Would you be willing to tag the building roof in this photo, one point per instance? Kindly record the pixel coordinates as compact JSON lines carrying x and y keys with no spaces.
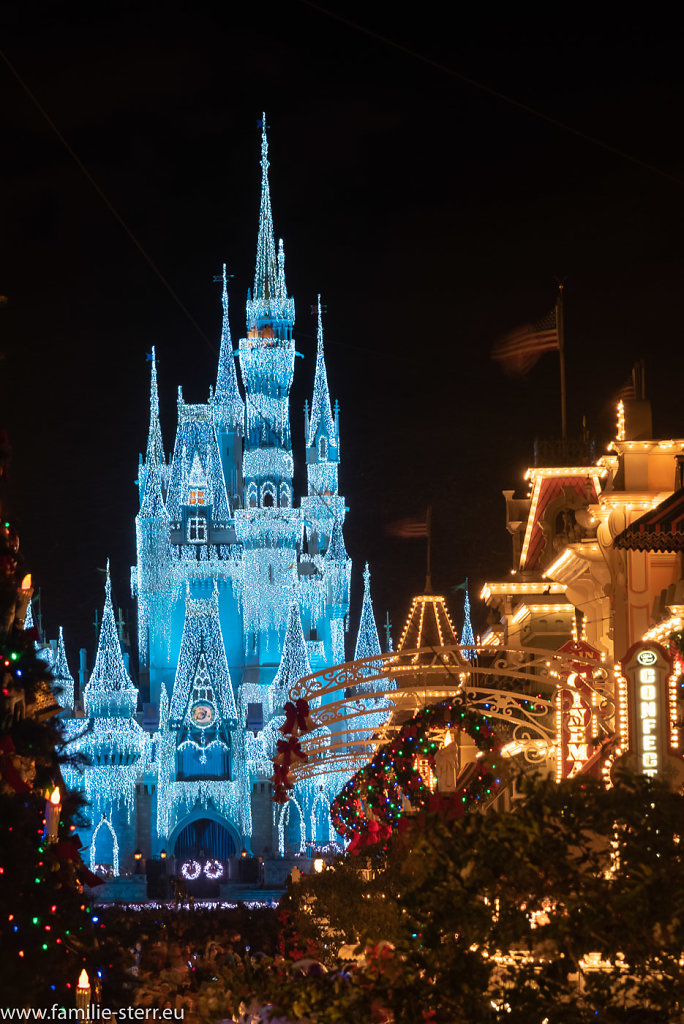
{"x":428,"y":624}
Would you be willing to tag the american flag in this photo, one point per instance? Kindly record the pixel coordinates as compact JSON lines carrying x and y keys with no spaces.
{"x":409,"y":528}
{"x":519,"y":350}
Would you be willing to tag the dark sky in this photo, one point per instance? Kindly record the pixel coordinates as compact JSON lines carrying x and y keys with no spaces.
{"x":433,"y":215}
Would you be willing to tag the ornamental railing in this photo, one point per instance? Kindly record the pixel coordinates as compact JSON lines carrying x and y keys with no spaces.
{"x":516,"y":687}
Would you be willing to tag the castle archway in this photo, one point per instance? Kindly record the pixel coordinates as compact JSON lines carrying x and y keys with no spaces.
{"x":203,"y":844}
{"x":206,"y":836}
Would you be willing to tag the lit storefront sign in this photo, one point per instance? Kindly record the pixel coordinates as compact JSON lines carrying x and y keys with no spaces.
{"x":575,"y":731}
{"x":575,"y":710}
{"x":647,"y":670}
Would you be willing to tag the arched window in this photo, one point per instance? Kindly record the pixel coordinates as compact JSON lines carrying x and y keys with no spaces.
{"x":323,"y":448}
{"x":268,"y":495}
{"x":252,"y":496}
{"x":285,"y":496}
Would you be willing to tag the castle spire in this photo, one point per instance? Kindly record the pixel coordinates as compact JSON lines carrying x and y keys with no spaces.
{"x":269,"y":307}
{"x":266,"y":272}
{"x":321,"y":415}
{"x":63,"y":678}
{"x":228,"y":399}
{"x":467,"y":636}
{"x":110,"y":692}
{"x":155,"y":447}
{"x":367,"y":640}
{"x":294,"y":662}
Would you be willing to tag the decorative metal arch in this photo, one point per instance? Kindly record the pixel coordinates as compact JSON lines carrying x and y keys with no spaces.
{"x":502,"y":684}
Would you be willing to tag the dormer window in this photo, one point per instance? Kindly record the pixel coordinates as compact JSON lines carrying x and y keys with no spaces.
{"x":196,"y":497}
{"x":197,"y":529}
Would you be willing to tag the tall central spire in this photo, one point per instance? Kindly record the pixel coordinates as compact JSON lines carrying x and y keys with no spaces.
{"x":266,"y":272}
{"x":269,"y":306}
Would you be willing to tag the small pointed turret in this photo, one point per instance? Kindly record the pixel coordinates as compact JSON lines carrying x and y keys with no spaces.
{"x":367,"y":640}
{"x":294,"y":662}
{"x":63,"y":679}
{"x":110,"y":692}
{"x":321,"y":416}
{"x":228,"y":404}
{"x":336,"y":550}
{"x":376,"y":709}
{"x":467,"y":635}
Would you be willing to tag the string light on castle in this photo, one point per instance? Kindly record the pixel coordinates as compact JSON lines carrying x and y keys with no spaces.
{"x":241,"y":585}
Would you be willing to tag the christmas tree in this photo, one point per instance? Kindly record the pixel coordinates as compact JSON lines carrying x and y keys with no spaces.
{"x":47,"y":935}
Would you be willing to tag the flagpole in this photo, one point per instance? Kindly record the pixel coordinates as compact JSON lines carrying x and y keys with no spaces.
{"x":561,"y":355}
{"x":428,"y":527}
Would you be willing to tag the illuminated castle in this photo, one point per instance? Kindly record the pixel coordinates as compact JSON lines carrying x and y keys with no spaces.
{"x":240,"y":592}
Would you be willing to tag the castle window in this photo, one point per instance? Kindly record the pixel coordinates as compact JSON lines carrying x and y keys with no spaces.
{"x":197,"y":529}
{"x":268,"y":495}
{"x":196,"y":497}
{"x":268,"y":500}
{"x":285,"y":496}
{"x":252,"y":496}
{"x":323,"y":448}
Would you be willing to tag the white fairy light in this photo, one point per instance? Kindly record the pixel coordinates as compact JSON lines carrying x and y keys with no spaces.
{"x":233,"y":569}
{"x":115,"y":845}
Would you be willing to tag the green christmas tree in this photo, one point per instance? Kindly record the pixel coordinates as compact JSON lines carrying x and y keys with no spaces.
{"x":46,"y":932}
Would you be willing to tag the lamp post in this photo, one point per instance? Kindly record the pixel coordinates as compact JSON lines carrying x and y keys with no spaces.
{"x":137,"y":856}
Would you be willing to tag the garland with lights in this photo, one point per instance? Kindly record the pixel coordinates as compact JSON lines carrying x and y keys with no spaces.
{"x":376,"y":800}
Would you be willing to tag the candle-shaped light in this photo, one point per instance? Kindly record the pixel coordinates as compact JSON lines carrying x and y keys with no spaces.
{"x":53,"y":809}
{"x":24,"y":595}
{"x":83,"y":996}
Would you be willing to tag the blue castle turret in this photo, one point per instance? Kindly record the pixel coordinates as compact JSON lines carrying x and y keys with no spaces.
{"x":242,"y":588}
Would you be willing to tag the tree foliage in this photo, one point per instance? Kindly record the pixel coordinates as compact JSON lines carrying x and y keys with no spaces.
{"x":567,"y":908}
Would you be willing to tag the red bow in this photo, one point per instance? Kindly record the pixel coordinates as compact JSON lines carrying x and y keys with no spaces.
{"x":289,"y":752}
{"x":281,"y":776}
{"x":297,"y":717}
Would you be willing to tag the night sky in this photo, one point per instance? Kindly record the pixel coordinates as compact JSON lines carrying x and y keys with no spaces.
{"x":433,"y":214}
